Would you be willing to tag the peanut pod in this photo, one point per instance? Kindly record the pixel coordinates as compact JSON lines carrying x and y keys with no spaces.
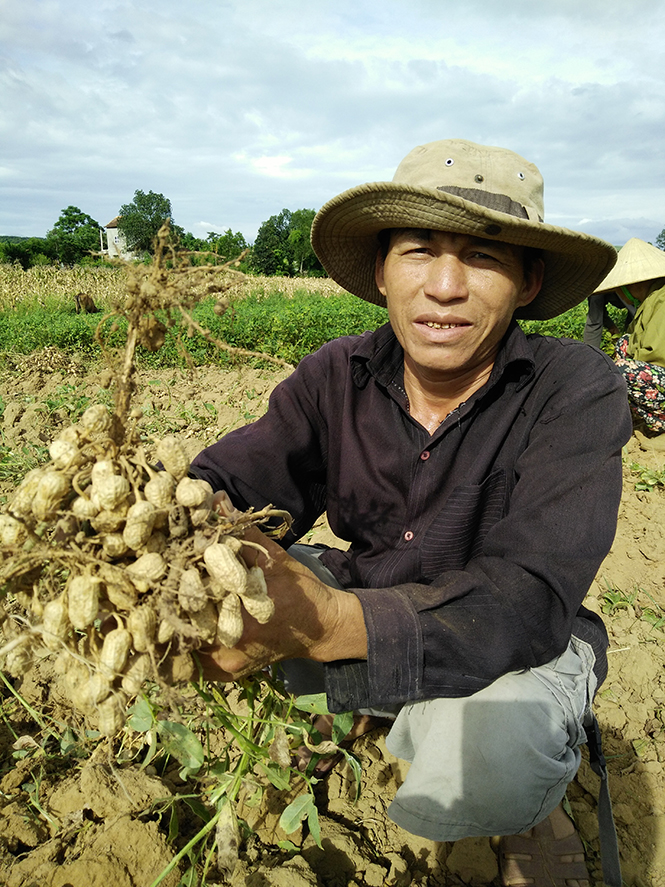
{"x":115,"y":651}
{"x":83,"y":600}
{"x":171,"y":454}
{"x":225,"y":568}
{"x":55,"y":623}
{"x":142,"y":624}
{"x":229,"y":620}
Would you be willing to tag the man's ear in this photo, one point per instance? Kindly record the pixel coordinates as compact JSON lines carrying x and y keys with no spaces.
{"x":378,"y":272}
{"x":533,"y":282}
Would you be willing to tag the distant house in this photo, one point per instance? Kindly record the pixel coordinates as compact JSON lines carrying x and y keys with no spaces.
{"x":116,"y":244}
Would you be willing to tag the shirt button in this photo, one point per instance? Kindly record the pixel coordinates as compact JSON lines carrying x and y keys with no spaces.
{"x":408,"y":535}
{"x":424,"y":455}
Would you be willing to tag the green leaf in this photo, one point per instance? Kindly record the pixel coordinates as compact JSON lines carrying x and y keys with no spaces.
{"x":181,"y":743}
{"x":314,"y":825}
{"x":277,"y":777}
{"x":356,"y":769}
{"x":174,"y":825}
{"x":141,"y":717}
{"x":197,"y":808}
{"x":190,"y":878}
{"x":315,"y":703}
{"x":68,"y":741}
{"x":294,"y":814}
{"x":342,"y":723}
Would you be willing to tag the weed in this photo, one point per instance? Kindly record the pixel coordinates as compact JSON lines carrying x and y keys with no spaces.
{"x":648,"y":478}
{"x":67,"y":401}
{"x":15,"y":464}
{"x":614,"y":600}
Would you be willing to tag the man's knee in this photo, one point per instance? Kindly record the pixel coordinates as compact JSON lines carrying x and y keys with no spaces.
{"x":497,"y":762}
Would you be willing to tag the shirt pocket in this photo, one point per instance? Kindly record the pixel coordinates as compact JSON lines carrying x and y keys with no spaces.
{"x":457,"y":533}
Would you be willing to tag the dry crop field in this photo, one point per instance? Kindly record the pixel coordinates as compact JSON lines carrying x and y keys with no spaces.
{"x":47,"y":284}
{"x":81,"y":808}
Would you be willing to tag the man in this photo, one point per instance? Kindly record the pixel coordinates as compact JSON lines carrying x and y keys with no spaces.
{"x":476,"y":474}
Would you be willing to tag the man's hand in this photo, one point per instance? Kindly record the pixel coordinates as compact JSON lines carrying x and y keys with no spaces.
{"x":311,"y":620}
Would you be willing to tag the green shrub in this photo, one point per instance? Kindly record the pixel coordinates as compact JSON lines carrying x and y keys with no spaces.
{"x":288,"y":328}
{"x":569,"y":325}
{"x":27,"y":330}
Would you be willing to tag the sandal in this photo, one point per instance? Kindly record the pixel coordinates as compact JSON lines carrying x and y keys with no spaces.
{"x":539,"y":859}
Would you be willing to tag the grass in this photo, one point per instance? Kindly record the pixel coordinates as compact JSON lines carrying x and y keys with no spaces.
{"x":15,"y":464}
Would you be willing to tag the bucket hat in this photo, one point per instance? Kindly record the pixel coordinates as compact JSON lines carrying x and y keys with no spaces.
{"x":458,"y":186}
{"x":637,"y":261}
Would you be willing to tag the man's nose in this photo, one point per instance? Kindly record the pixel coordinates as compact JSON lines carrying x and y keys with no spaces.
{"x":446,"y":279}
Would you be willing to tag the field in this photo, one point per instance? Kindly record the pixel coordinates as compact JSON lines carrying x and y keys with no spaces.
{"x":78,"y":810}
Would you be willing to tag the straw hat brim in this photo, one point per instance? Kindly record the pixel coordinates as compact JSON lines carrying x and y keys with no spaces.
{"x":344,"y":237}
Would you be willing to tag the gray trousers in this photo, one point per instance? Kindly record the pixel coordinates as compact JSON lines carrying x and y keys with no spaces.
{"x":496,"y":762}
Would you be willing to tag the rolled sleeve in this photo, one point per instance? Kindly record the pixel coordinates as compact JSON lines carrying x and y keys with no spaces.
{"x":393,"y":671}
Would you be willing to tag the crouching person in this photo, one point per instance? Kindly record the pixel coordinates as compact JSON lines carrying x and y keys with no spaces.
{"x":476,"y":474}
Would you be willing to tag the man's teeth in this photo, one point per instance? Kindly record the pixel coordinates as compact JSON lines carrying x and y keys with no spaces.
{"x":441,"y":326}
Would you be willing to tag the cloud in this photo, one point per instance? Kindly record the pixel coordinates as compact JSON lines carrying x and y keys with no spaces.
{"x":235,"y":110}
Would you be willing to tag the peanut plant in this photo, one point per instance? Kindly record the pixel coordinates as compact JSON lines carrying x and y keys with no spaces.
{"x":115,"y":563}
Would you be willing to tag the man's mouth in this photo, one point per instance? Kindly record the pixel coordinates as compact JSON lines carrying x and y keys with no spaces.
{"x":442,"y":326}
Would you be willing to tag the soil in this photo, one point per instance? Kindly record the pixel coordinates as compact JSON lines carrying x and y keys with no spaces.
{"x":69,"y":821}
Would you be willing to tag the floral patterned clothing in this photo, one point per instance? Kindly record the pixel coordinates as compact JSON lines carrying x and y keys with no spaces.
{"x":646,"y":386}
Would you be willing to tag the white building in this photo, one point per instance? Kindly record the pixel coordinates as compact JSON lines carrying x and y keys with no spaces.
{"x":115,"y":240}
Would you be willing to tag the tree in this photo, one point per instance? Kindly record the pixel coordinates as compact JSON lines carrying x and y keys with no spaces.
{"x":27,"y":251}
{"x":140,"y":220}
{"x":271,"y":253}
{"x":660,"y":240}
{"x":282,"y":245}
{"x":304,"y":257}
{"x":228,"y":245}
{"x":74,"y":236}
{"x":188,"y":241}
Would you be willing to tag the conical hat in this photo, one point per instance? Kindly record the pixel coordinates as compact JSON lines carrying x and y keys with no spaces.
{"x":638,"y":261}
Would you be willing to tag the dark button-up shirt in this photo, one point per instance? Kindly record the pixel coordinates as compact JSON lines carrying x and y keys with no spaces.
{"x":471,"y":549}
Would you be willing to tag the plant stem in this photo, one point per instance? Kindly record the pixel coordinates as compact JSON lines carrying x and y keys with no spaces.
{"x":123,"y":392}
{"x":208,"y":827}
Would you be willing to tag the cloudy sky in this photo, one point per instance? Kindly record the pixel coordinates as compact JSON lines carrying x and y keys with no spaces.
{"x":235,"y":109}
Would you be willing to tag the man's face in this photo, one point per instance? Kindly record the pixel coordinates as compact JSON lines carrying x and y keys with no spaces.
{"x":451,"y":298}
